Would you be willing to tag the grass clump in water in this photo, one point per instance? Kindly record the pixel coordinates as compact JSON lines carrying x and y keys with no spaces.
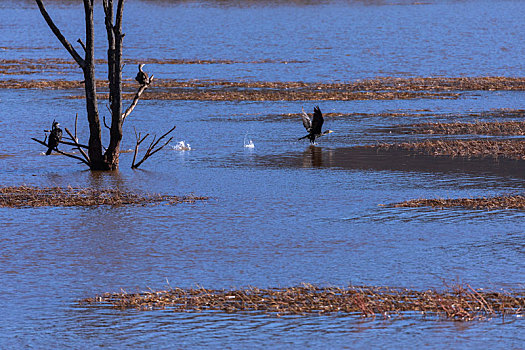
{"x":510,"y":128}
{"x":490,"y":203}
{"x":28,"y":196}
{"x":461,"y":302}
{"x":507,"y":149}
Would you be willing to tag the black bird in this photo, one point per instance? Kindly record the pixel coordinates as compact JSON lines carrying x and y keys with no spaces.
{"x":142,"y":77}
{"x":314,"y":126}
{"x":54,"y":138}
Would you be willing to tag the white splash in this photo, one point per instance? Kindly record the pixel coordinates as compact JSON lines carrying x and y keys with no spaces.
{"x":182,"y":146}
{"x":248,"y":143}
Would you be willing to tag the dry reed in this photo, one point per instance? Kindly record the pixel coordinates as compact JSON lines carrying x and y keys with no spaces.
{"x":28,"y":196}
{"x":235,"y":91}
{"x":511,"y":128}
{"x":388,"y":88}
{"x":488,"y":203}
{"x":505,"y":149}
{"x":462,"y":302}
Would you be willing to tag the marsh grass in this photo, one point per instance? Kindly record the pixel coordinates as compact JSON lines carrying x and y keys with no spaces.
{"x":505,"y":128}
{"x":488,"y":203}
{"x":234,"y":91}
{"x":506,"y":149}
{"x":28,"y":196}
{"x":460,"y":302}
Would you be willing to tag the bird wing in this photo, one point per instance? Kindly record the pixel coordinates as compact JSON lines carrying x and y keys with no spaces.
{"x":317,"y":121}
{"x":306,"y":120}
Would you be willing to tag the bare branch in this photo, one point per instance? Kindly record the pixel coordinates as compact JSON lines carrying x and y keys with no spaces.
{"x":161,"y":147}
{"x":73,"y":144}
{"x":78,"y":146}
{"x":59,"y":35}
{"x":81,"y":44}
{"x":151,"y":149}
{"x":76,"y":120}
{"x":60,"y":152}
{"x":106,"y":7}
{"x":139,"y":141}
{"x":136,"y":99}
{"x":120,"y":11}
{"x":104,"y":120}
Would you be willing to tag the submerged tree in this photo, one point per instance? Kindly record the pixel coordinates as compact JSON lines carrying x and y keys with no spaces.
{"x":96,"y":158}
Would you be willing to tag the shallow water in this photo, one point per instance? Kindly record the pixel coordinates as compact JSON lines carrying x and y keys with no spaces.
{"x":280,"y":213}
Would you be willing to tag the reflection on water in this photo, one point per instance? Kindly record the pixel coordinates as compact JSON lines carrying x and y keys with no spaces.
{"x":280,"y":213}
{"x":313,"y":156}
{"x":366,"y":158}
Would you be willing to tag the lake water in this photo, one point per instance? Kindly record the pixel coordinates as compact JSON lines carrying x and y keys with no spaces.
{"x":281,"y":213}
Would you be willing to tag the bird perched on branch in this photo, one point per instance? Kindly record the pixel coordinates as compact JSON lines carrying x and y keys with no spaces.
{"x":142,"y":77}
{"x":314,"y":125}
{"x":54,"y":137}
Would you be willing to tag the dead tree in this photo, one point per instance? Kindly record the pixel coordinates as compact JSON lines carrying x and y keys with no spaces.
{"x":96,"y":158}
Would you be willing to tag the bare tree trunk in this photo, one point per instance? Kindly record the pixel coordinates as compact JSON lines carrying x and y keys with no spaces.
{"x":95,"y":138}
{"x":115,"y":36}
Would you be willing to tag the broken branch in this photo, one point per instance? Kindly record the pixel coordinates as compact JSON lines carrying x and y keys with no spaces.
{"x":81,"y":44}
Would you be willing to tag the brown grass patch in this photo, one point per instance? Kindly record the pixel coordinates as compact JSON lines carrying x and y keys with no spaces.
{"x":285,"y":95}
{"x":459,"y":303}
{"x":27,"y":196}
{"x":387,"y":88}
{"x":507,"y":149}
{"x":514,"y":128}
{"x":490,"y":203}
{"x":373,"y":89}
{"x":233,"y":91}
{"x":30,"y":66}
{"x":26,"y":66}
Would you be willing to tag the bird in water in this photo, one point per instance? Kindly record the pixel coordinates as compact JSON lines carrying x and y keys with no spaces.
{"x":142,"y":77}
{"x":54,"y":138}
{"x":314,"y":125}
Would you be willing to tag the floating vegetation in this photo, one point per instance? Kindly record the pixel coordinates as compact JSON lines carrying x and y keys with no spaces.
{"x":285,"y":94}
{"x":511,"y":128}
{"x":27,"y":196}
{"x":490,"y":203}
{"x":37,"y":66}
{"x":459,"y":303}
{"x":236,"y":91}
{"x":373,"y":89}
{"x":506,"y":149}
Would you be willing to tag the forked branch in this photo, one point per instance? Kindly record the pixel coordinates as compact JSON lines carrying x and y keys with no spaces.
{"x":78,"y":146}
{"x":74,"y":143}
{"x":139,"y":93}
{"x":63,"y":153}
{"x":151,"y":149}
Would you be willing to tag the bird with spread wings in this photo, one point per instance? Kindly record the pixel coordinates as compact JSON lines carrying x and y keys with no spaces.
{"x":313,"y":125}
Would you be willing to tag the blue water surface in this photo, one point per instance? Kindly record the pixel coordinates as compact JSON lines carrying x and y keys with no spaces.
{"x":279,"y":214}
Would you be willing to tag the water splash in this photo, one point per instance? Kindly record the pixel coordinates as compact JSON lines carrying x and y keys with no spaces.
{"x":182,"y":146}
{"x":248,"y":143}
